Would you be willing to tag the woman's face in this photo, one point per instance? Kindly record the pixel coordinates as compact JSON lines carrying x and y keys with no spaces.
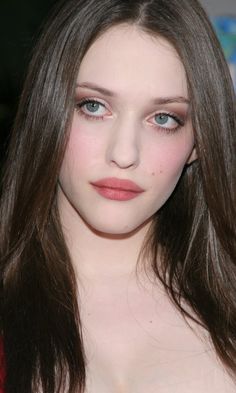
{"x":131,"y":134}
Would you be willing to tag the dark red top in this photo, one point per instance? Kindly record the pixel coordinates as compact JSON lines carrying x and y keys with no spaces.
{"x":2,"y":367}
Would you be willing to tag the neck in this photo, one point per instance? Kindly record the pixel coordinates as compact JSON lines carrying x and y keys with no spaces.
{"x":98,"y":255}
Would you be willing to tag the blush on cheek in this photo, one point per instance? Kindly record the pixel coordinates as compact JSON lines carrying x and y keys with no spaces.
{"x":83,"y":146}
{"x":176,"y":157}
{"x":165,"y":155}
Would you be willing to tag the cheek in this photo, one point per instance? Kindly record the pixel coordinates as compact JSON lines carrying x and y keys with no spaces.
{"x":83,"y":150}
{"x":168,"y":159}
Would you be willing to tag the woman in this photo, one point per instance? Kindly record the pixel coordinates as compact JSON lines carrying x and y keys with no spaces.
{"x":118,"y":197}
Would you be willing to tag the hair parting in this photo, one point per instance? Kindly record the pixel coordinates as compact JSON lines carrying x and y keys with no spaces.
{"x":193,"y":234}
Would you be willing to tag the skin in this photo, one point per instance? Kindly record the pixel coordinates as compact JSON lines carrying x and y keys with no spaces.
{"x":135,"y":340}
{"x":123,"y":140}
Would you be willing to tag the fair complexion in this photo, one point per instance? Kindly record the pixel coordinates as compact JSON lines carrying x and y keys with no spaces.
{"x":131,"y":121}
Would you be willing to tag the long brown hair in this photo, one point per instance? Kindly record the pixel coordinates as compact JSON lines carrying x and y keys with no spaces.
{"x":194,"y":230}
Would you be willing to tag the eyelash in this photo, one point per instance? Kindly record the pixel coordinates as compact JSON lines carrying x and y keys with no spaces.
{"x":180,"y":122}
{"x":85,"y":101}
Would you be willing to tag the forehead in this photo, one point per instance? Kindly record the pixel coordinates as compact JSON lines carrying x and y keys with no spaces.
{"x":125,"y":58}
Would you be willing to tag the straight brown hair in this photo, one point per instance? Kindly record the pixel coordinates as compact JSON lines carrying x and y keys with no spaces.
{"x":194,"y":231}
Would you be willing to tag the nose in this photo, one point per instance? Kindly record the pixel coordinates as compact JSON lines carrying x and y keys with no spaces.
{"x":123,"y":148}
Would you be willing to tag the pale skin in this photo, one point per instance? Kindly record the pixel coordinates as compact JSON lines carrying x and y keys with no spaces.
{"x":137,"y":127}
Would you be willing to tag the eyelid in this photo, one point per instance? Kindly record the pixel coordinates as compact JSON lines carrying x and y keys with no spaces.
{"x":176,"y":117}
{"x":179,"y":120}
{"x":86,"y":100}
{"x":82,"y":100}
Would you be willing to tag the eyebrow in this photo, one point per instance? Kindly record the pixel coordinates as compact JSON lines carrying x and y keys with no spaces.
{"x":109,"y":93}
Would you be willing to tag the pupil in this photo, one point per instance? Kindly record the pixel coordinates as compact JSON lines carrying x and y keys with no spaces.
{"x":161,"y":119}
{"x":92,"y":106}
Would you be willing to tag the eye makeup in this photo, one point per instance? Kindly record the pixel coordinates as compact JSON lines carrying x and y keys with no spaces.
{"x":162,"y":121}
{"x":167,"y":122}
{"x":91,"y":109}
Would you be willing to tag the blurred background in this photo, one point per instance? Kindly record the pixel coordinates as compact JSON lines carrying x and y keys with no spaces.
{"x":219,"y":7}
{"x":20,"y":23}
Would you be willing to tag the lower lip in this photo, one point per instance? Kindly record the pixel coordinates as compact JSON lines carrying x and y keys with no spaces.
{"x":116,"y":194}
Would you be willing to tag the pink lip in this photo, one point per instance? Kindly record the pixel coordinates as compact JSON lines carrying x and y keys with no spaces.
{"x":117,"y":189}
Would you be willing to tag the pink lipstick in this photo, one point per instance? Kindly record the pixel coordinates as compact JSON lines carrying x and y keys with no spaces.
{"x":117,"y":189}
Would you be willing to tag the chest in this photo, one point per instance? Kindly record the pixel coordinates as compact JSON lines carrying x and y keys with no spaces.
{"x":137,"y":342}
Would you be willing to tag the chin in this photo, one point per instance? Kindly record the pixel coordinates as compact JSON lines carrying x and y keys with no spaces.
{"x":114,"y":228}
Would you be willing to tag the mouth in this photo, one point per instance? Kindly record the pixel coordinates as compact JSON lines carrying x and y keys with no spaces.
{"x":117,"y":189}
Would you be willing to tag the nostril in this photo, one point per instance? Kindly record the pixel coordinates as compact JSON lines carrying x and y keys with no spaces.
{"x":124,"y":159}
{"x":123,"y":153}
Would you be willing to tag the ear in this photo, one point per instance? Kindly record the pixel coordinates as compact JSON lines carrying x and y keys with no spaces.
{"x":193,"y":157}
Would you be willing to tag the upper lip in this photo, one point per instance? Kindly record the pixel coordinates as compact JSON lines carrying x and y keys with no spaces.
{"x":118,"y":184}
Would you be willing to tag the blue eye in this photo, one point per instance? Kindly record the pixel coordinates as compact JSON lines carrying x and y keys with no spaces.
{"x":92,"y":108}
{"x":167,"y":121}
{"x":162,"y":119}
